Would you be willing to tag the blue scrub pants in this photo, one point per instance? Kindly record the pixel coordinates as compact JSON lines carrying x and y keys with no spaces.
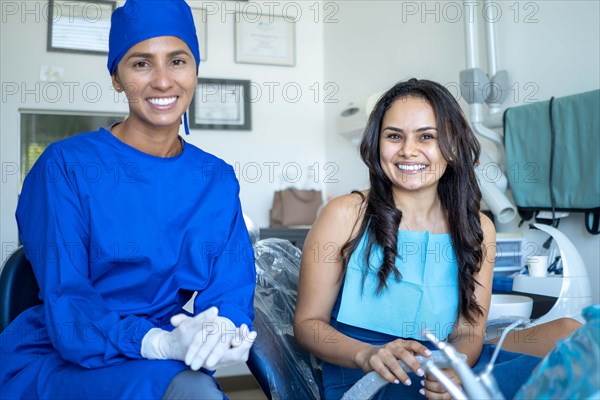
{"x":189,"y":384}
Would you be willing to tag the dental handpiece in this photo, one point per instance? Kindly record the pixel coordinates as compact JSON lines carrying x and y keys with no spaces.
{"x":470,"y":383}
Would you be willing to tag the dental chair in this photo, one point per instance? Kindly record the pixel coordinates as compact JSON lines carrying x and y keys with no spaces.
{"x":285,"y":371}
{"x":18,"y":287}
{"x":282,"y":368}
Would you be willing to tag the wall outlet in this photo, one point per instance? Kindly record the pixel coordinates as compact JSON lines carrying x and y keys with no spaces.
{"x":51,"y":74}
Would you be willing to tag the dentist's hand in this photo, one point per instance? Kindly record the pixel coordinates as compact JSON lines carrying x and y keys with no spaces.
{"x":215,"y":337}
{"x":159,"y":344}
{"x":236,"y":354}
{"x":220,"y":344}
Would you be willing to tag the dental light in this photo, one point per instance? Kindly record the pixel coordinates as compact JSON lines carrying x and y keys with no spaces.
{"x":353,"y":119}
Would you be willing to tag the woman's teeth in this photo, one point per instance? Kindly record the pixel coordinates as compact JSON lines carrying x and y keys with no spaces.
{"x":163,"y":101}
{"x":411,"y":167}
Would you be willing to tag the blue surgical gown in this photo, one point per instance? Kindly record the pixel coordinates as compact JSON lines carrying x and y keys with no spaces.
{"x":119,"y":240}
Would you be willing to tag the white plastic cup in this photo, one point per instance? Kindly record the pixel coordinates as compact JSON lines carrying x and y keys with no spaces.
{"x":537,"y":266}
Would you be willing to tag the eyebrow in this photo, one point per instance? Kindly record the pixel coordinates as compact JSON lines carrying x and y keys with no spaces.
{"x":150,"y":55}
{"x":423,"y":129}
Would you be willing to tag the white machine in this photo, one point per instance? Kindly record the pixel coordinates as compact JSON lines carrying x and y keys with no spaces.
{"x":353,"y":119}
{"x":572,"y":290}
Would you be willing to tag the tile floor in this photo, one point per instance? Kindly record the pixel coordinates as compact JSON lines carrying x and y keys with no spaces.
{"x":251,"y":394}
{"x":241,"y":388}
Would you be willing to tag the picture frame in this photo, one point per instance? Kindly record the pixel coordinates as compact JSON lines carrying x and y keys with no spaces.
{"x":221,"y":104}
{"x":201,"y":22}
{"x":264,"y":39}
{"x":81,"y":26}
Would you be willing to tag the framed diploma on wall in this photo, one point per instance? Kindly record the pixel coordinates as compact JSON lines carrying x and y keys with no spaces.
{"x":200,"y":20}
{"x":264,"y":39}
{"x":221,"y":104}
{"x":79,"y":26}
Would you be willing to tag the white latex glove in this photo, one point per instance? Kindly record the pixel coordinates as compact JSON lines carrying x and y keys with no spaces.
{"x":214,"y":339}
{"x":237,"y":353}
{"x":159,"y":344}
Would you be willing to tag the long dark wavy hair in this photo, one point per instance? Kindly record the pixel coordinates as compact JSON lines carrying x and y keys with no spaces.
{"x":457,"y":189}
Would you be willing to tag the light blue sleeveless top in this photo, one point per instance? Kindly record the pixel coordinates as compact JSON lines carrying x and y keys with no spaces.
{"x":426,"y":296}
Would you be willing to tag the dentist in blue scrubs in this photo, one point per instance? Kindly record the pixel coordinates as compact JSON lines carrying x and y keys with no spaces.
{"x":119,"y":251}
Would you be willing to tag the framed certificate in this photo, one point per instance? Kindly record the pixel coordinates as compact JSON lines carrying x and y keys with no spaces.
{"x":221,"y":104}
{"x":199,"y":15}
{"x":79,"y":26}
{"x":264,"y":39}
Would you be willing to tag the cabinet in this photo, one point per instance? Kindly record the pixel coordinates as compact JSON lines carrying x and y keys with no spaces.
{"x":509,"y":260}
{"x":295,"y":235}
{"x":509,"y":255}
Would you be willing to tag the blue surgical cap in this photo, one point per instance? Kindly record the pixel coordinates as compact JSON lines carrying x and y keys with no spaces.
{"x":139,"y":20}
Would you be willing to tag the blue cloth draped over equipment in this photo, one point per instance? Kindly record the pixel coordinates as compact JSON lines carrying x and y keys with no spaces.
{"x":119,"y":240}
{"x":552,"y":156}
{"x":571,"y":370}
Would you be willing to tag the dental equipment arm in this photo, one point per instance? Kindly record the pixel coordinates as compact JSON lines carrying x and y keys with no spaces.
{"x":468,"y":379}
{"x":430,"y":368}
{"x":483,"y":386}
{"x":505,"y":332}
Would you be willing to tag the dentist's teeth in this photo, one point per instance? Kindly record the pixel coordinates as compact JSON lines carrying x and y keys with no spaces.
{"x":411,"y":167}
{"x":162,"y":101}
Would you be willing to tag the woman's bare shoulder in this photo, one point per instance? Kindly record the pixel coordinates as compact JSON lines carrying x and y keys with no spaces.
{"x":342,"y":215}
{"x":349,"y":206}
{"x":488,"y":228}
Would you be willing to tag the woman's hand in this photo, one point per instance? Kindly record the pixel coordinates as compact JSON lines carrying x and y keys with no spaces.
{"x":384,"y":359}
{"x":433,"y":389}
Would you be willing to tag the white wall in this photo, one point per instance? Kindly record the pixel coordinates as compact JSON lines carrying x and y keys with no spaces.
{"x":287,"y":125}
{"x":550,"y":48}
{"x":373,"y":45}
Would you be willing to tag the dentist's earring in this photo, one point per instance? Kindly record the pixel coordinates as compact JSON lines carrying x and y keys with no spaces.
{"x":116,"y":84}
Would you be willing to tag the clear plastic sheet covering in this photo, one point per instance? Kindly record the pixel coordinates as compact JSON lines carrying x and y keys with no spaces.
{"x":572,"y":369}
{"x":293,"y":372}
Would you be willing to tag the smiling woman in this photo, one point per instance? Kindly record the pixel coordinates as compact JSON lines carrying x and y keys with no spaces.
{"x":117,"y":256}
{"x":410,"y":154}
{"x":414,"y":252}
{"x":158,"y":76}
